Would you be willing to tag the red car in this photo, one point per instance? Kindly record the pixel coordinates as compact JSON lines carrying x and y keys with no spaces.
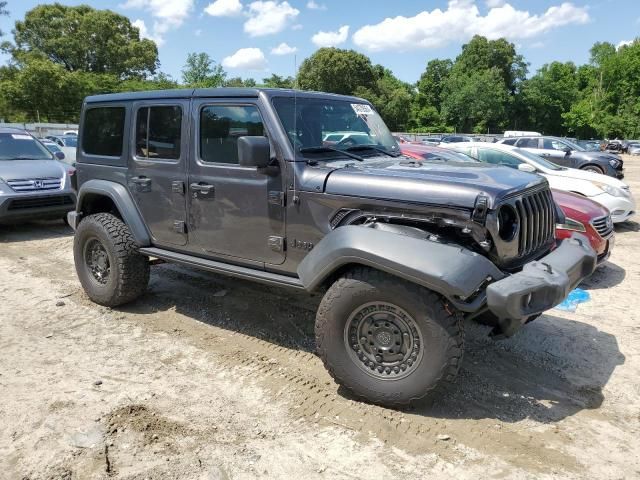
{"x":582,"y":215}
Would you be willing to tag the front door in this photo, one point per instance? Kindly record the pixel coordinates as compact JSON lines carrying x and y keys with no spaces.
{"x":556,"y":152}
{"x":156,"y":176}
{"x":235,"y":213}
{"x":157,"y":168}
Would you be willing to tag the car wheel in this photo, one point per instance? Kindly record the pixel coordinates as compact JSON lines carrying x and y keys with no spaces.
{"x":109,"y":267}
{"x":593,"y":168}
{"x":386,"y":340}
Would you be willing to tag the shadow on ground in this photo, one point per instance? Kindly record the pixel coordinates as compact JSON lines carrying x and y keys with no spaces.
{"x":606,"y":275}
{"x":40,"y":230}
{"x":551,"y":369}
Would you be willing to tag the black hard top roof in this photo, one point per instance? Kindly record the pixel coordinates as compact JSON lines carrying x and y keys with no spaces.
{"x":223,"y":92}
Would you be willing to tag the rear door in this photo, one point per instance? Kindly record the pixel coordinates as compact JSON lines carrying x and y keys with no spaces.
{"x":157,"y":167}
{"x":235,"y":212}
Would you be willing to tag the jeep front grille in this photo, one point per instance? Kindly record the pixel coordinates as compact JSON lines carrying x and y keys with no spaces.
{"x":603,"y":225}
{"x":536,"y":215}
{"x":35,"y":184}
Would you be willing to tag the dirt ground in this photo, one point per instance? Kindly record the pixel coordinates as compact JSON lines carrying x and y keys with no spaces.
{"x":211,"y":378}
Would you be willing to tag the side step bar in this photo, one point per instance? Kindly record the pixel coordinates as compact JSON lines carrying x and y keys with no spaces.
{"x":268,"y":278}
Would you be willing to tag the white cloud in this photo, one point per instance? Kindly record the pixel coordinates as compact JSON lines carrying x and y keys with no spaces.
{"x":311,"y":5}
{"x":331,"y":39}
{"x":144,"y":31}
{"x":623,"y":43}
{"x":224,"y":8}
{"x":197,"y":33}
{"x":266,"y":18}
{"x":283,"y":49}
{"x":246,"y":59}
{"x":297,"y":26}
{"x":167,"y":15}
{"x":495,"y":3}
{"x":460,"y":21}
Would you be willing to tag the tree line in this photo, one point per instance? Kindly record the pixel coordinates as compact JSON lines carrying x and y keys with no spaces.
{"x":61,"y":54}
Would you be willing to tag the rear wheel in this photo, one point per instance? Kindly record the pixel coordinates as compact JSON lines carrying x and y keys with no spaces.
{"x":386,"y":340}
{"x":109,"y":267}
{"x":593,"y":168}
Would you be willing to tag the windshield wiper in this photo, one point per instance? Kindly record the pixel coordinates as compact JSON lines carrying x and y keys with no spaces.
{"x":321,"y":149}
{"x":371,"y":147}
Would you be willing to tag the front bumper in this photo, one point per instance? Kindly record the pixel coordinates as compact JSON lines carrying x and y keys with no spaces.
{"x":621,"y":208}
{"x":38,"y":206}
{"x":540,"y":285}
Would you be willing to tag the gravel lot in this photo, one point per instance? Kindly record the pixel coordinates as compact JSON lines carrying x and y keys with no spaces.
{"x":211,"y":378}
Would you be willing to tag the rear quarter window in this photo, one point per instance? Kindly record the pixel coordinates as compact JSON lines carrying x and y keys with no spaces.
{"x":103,"y":131}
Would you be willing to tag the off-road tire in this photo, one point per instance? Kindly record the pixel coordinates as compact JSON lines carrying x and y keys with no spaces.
{"x":593,"y":168}
{"x":438,"y":323}
{"x":129,"y":271}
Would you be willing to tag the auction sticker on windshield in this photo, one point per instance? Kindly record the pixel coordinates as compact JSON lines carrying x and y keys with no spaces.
{"x":18,"y":136}
{"x":362,"y":109}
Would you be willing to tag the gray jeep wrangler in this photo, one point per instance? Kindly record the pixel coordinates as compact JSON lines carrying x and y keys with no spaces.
{"x":309,"y":191}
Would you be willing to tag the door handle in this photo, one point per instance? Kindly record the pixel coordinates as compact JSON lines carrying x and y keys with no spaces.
{"x":142,"y":181}
{"x":203,"y":188}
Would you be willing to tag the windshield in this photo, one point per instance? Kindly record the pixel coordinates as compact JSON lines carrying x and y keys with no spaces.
{"x":320,"y":126}
{"x":573,"y":146}
{"x":539,"y":160}
{"x":22,"y":146}
{"x":70,"y":141}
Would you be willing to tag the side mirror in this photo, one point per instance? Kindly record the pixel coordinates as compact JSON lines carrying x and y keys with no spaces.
{"x":59,"y":155}
{"x":254,"y":152}
{"x":525,"y":167}
{"x":567,"y":150}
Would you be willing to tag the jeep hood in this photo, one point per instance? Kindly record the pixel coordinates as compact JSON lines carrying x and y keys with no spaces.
{"x":26,"y":169}
{"x":447,"y":183}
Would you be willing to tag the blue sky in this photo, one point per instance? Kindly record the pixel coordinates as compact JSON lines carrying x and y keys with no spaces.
{"x":257,"y":38}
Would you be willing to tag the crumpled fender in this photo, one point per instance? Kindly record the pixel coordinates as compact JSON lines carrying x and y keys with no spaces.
{"x":453,"y":271}
{"x":123,"y":201}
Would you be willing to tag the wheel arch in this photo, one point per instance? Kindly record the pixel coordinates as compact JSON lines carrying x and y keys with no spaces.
{"x":98,"y":196}
{"x":450,"y":270}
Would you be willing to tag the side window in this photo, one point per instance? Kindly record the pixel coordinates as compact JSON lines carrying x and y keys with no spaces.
{"x":158,"y":132}
{"x":220,"y":127}
{"x":528,"y":143}
{"x":496,"y":157}
{"x":103,"y":131}
{"x":510,"y":141}
{"x":550,"y":144}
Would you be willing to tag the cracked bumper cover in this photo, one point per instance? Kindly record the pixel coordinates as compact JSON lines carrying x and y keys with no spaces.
{"x":542,"y":284}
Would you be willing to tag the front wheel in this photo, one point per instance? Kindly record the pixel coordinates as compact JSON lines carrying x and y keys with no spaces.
{"x":109,"y":267}
{"x":388,"y":341}
{"x":593,"y":168}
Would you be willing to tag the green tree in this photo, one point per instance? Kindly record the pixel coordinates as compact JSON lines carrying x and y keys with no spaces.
{"x":3,"y":12}
{"x":276,"y":81}
{"x":337,"y":71}
{"x":432,"y":81}
{"x":549,"y":94}
{"x":475,"y":102}
{"x":85,"y":39}
{"x":200,"y":71}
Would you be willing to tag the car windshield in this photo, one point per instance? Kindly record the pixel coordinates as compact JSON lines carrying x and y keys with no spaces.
{"x":52,"y":147}
{"x":70,"y":141}
{"x":539,"y":160}
{"x":572,"y":145}
{"x":22,"y":146}
{"x":319,"y":127}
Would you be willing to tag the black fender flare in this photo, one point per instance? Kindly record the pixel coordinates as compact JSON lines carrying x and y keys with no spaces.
{"x":124,"y":203}
{"x":450,"y":270}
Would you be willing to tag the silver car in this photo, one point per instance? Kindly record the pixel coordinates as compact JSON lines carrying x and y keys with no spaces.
{"x":34,"y":183}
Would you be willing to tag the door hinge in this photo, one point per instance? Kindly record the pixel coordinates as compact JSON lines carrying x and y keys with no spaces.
{"x":179,"y":226}
{"x":276,"y":243}
{"x":177,"y":187}
{"x":276,"y":198}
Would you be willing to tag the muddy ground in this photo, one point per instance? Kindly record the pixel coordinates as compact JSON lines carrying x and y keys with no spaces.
{"x":207,"y":377}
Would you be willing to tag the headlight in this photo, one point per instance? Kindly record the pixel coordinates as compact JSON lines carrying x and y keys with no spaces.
{"x":614,"y":163}
{"x":507,"y":223}
{"x":571,"y":224}
{"x":615,"y":191}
